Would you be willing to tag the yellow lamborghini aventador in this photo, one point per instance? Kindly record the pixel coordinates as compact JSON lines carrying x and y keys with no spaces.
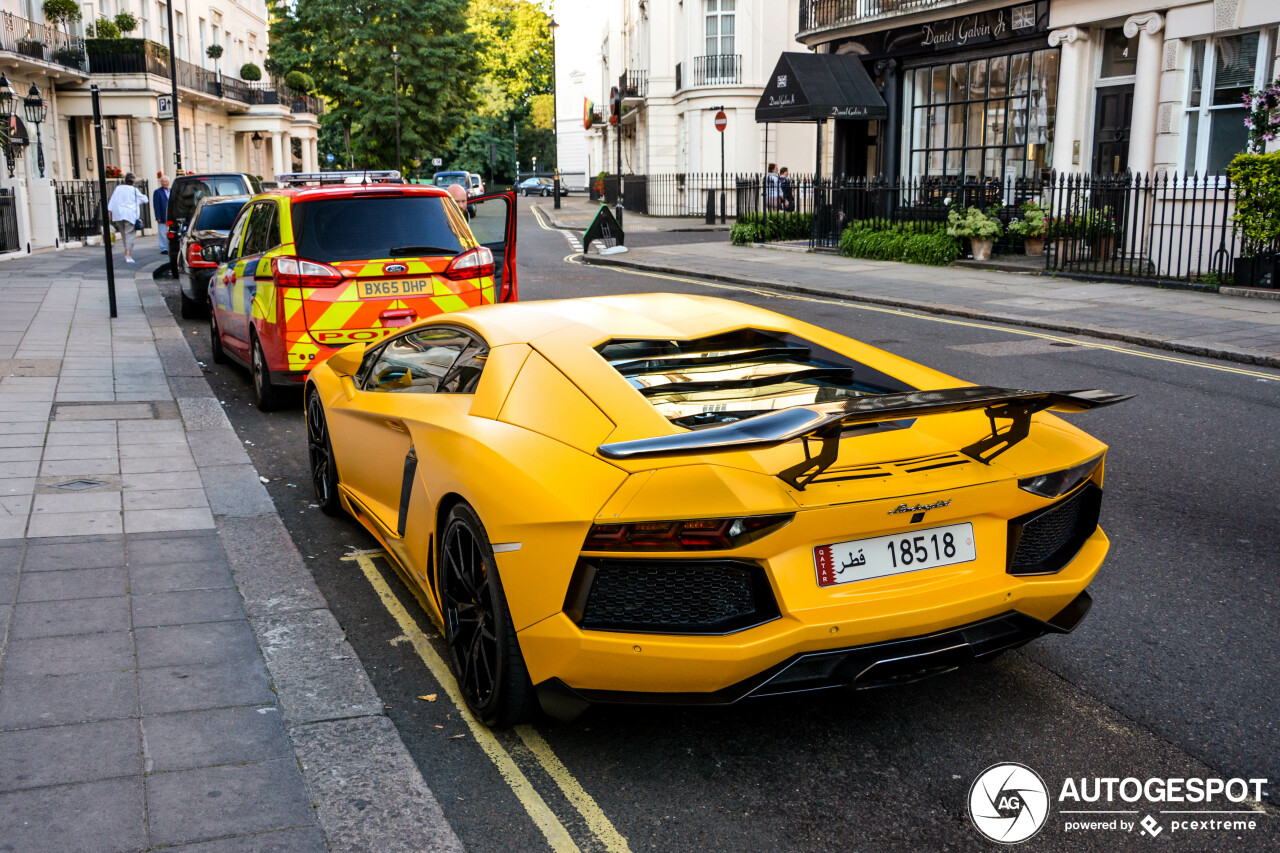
{"x":664,"y":498}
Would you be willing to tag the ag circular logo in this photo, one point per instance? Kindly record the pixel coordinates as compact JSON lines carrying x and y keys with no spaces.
{"x":1008,"y":803}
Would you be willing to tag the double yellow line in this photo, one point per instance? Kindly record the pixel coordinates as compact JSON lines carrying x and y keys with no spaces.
{"x":604,"y":833}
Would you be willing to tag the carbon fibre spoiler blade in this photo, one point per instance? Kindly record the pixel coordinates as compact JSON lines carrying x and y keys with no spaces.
{"x":826,"y":420}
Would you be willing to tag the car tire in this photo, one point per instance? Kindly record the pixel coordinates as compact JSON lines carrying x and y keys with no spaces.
{"x":524,"y":193}
{"x":546,"y":193}
{"x":324,"y":467}
{"x":480,"y":639}
{"x":215,"y":337}
{"x":265,"y":395}
{"x":190,"y":309}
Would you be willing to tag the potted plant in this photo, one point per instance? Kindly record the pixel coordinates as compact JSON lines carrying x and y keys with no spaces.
{"x":250,"y":72}
{"x":981,"y":229}
{"x":1031,"y":227}
{"x":63,"y":13}
{"x":1257,"y":217}
{"x":31,"y":47}
{"x":1065,"y":233}
{"x":1101,"y":228}
{"x":70,"y":56}
{"x":125,"y":23}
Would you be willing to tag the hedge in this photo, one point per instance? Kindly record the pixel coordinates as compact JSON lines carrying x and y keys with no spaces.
{"x":775,"y":227}
{"x":909,"y":242}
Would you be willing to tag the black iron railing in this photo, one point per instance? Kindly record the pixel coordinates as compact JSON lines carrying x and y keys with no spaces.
{"x":40,"y":41}
{"x":683,"y":194}
{"x":634,"y":84}
{"x":822,"y":14}
{"x":127,"y":56}
{"x":1144,"y":227}
{"x":80,"y":207}
{"x":717,"y":70}
{"x":8,"y":222}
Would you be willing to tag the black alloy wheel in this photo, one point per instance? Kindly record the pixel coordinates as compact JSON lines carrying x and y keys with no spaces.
{"x":483,"y":650}
{"x":215,"y":337}
{"x":324,"y":468}
{"x":266,"y":395}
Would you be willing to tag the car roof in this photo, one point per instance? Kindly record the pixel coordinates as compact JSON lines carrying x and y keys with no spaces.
{"x":208,"y":175}
{"x":379,"y":190}
{"x":210,"y":200}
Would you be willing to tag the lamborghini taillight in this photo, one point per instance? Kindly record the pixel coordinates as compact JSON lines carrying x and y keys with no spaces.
{"x":296,"y":272}
{"x":702,"y":534}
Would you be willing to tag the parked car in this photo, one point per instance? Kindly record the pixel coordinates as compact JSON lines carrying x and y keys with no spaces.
{"x":210,"y":224}
{"x":731,"y":502}
{"x":308,"y":270}
{"x":540,"y":186}
{"x":444,"y":179}
{"x":187,"y":190}
{"x":477,"y":185}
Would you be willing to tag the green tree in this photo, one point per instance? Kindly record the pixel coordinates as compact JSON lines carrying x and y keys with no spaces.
{"x":345,"y":46}
{"x":513,"y":42}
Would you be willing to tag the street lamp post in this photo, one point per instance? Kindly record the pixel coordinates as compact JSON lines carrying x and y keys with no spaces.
{"x":395,"y":65}
{"x":35,"y":108}
{"x":555,"y":114}
{"x":7,"y":99}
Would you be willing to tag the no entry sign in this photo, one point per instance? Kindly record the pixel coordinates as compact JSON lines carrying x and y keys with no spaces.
{"x":722,"y":121}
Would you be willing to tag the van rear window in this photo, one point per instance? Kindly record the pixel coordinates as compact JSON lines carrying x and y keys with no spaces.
{"x":369,"y":227}
{"x":218,"y":217}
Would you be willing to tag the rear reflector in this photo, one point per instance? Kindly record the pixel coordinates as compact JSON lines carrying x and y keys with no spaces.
{"x":296,"y":272}
{"x":476,"y":263}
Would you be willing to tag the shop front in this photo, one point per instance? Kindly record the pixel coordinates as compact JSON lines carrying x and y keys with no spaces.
{"x":971,"y":99}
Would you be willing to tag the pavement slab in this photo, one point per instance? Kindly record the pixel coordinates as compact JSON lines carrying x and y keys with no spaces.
{"x":136,"y":541}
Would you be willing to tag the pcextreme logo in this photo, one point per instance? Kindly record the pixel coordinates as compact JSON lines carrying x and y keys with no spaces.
{"x":1009,"y":803}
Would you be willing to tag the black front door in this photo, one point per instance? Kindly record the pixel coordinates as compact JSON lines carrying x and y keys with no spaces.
{"x":1113,"y":113}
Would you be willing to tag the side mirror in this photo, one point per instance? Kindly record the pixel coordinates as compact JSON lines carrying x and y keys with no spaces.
{"x":212,"y":253}
{"x":346,"y":361}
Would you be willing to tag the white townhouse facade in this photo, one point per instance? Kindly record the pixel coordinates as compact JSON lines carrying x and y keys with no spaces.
{"x":675,"y":64}
{"x":227,"y":124}
{"x":991,"y":88}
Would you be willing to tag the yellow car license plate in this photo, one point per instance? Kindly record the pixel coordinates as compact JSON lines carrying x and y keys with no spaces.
{"x":396,"y":288}
{"x":899,"y":553}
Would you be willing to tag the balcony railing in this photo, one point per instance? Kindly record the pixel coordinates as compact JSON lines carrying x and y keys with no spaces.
{"x":135,"y":56}
{"x":634,"y":84}
{"x":717,"y":70}
{"x":39,"y":41}
{"x":824,"y":14}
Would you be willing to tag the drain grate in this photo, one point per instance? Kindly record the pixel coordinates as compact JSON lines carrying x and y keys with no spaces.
{"x":79,"y":485}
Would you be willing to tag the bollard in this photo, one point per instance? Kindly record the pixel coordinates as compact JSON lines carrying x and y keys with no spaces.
{"x":556,"y":190}
{"x":711,"y":207}
{"x":618,"y":214}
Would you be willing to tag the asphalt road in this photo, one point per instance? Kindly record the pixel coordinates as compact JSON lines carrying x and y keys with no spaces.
{"x":1174,"y":672}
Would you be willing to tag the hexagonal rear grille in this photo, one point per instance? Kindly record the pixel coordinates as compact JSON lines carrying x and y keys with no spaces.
{"x":1048,"y":540}
{"x":675,"y":596}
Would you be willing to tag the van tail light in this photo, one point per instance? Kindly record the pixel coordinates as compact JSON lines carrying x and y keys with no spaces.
{"x":296,"y":272}
{"x":703,"y":534}
{"x":194,"y":260}
{"x":476,"y":263}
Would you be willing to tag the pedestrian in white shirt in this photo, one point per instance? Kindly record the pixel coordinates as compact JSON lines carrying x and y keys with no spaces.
{"x":125,"y":208}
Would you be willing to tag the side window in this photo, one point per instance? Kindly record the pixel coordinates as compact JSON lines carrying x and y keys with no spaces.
{"x":253,"y":233}
{"x":489,"y":222}
{"x":439,"y":359}
{"x":272,"y":227}
{"x":237,"y":232}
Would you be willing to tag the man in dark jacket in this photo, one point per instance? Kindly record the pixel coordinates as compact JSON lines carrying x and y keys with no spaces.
{"x":160,"y":204}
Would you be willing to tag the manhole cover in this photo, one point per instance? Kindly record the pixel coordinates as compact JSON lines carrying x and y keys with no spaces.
{"x":79,"y":485}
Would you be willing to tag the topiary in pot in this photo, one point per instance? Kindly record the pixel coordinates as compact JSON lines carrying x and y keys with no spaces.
{"x":125,"y":23}
{"x":250,"y":72}
{"x":300,"y":82}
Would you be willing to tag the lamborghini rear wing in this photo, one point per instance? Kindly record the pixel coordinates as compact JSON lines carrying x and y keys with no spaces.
{"x":825,"y":421}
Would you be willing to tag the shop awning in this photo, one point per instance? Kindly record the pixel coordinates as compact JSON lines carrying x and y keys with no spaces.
{"x":812,"y":86}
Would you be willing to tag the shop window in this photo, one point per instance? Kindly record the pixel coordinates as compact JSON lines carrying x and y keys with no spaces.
{"x":1223,"y":70}
{"x":1119,"y":54}
{"x":986,"y":118}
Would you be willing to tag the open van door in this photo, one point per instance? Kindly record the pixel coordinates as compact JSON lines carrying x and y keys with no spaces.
{"x":493,"y":222}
